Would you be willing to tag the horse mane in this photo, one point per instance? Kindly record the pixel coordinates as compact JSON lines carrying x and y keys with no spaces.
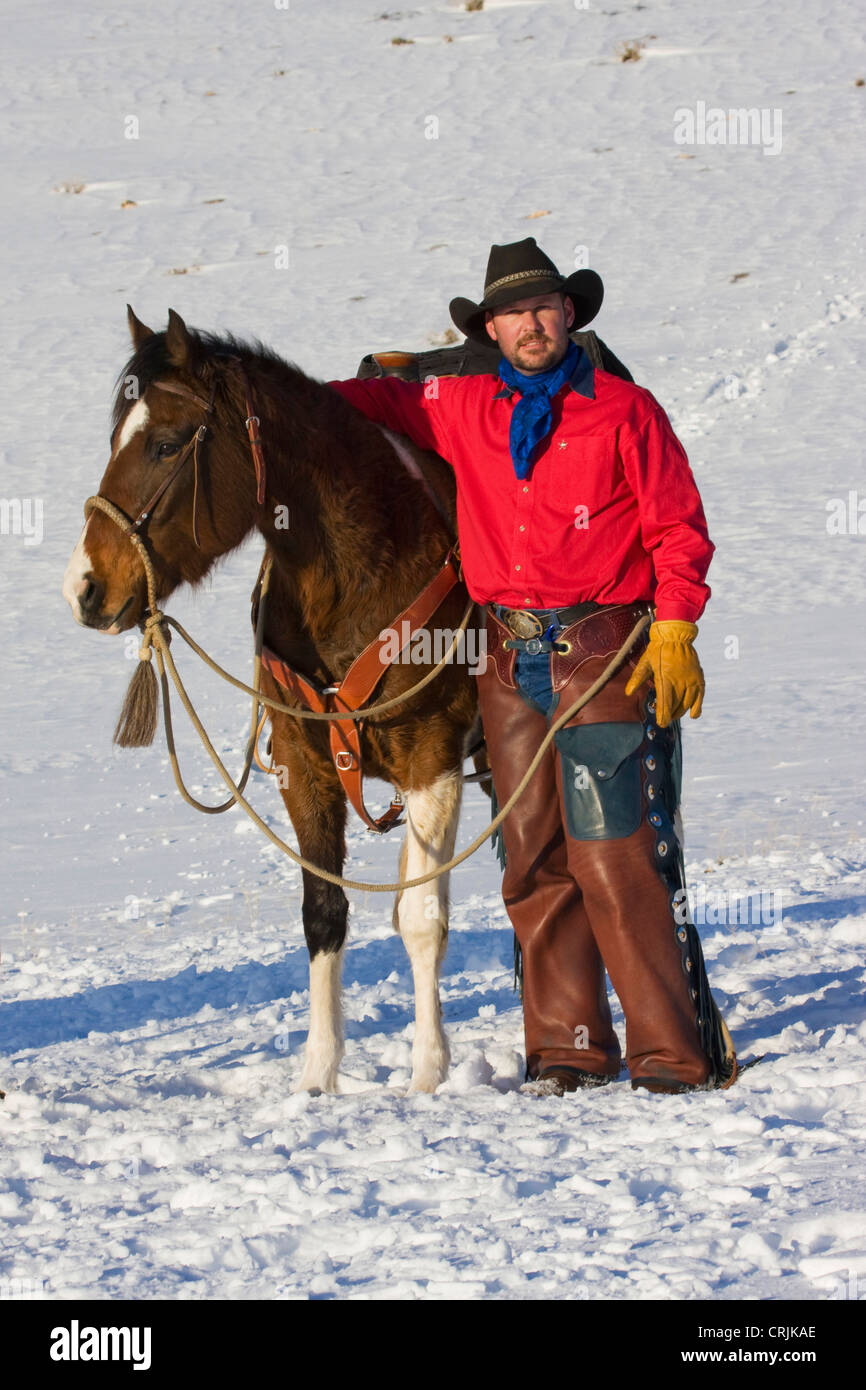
{"x":363,"y":515}
{"x":151,"y":362}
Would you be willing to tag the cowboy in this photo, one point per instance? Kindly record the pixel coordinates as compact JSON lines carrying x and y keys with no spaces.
{"x":578,"y":513}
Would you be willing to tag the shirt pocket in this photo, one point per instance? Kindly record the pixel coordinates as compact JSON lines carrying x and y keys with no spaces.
{"x":585,"y":476}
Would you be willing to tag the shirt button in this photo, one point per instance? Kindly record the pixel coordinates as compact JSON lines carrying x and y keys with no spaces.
{"x":526,"y":489}
{"x":517,"y":567}
{"x":523,"y":528}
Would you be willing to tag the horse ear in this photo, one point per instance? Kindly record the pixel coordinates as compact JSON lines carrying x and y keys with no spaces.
{"x":178,"y":341}
{"x":139,"y":331}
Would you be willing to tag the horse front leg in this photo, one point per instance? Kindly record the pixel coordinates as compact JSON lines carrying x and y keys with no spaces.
{"x":325,"y":909}
{"x":317,"y":807}
{"x":421,"y":917}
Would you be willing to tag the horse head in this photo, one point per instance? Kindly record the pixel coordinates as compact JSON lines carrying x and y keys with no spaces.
{"x":179,"y":473}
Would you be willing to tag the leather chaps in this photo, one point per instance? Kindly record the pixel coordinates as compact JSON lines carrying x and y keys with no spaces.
{"x":594,"y":866}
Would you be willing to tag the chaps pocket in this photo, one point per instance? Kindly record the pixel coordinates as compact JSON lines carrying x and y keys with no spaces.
{"x":601,"y":782}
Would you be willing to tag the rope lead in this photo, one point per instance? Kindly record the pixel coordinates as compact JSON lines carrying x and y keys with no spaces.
{"x":139,"y":714}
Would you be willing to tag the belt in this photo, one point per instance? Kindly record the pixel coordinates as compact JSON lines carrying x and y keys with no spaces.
{"x":532,"y":622}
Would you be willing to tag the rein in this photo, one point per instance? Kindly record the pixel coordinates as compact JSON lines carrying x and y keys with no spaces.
{"x":138,"y":728}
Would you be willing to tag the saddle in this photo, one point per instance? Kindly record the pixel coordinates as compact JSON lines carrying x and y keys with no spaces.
{"x":471,"y":359}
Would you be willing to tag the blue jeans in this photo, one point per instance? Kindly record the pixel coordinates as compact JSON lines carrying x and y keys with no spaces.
{"x":532,"y":677}
{"x":532,"y":669}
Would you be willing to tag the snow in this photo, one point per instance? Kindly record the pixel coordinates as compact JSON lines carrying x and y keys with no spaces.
{"x":154,"y":980}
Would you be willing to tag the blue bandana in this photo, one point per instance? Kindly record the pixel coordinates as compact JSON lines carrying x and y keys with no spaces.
{"x":532,"y":417}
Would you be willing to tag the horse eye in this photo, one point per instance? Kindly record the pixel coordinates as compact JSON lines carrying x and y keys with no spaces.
{"x":166,"y":450}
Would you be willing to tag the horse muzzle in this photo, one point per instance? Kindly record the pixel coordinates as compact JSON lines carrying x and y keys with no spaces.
{"x":88,"y":595}
{"x":87,"y":608}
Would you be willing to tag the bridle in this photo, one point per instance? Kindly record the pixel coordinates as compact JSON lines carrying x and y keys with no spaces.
{"x":192,"y":446}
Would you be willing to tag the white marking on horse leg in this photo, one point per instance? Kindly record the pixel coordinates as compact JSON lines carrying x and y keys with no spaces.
{"x":324,"y":1047}
{"x":75,"y":581}
{"x":134,"y":421}
{"x":421,"y":917}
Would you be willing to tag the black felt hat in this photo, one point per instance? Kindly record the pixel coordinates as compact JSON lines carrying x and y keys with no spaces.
{"x":521,"y":270}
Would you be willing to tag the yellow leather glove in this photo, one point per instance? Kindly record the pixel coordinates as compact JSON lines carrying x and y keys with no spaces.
{"x":671,"y":663}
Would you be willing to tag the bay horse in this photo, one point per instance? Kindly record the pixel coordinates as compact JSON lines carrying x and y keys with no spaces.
{"x":363,"y":539}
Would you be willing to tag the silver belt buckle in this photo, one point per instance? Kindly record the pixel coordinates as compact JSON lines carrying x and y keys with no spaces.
{"x":521,"y":624}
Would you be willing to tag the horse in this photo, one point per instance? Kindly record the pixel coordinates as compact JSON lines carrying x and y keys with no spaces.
{"x":370,"y":517}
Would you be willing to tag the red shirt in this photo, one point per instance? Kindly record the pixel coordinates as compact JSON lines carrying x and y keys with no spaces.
{"x":609,"y":510}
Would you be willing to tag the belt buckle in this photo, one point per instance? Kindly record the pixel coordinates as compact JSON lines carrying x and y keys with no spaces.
{"x":521,"y":624}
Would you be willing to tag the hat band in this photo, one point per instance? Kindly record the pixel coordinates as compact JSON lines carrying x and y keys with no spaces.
{"x":523,"y":275}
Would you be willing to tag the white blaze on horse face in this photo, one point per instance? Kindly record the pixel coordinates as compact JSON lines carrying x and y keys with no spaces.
{"x":136,"y":420}
{"x":76,"y":579}
{"x":79,"y":571}
{"x":421,"y":917}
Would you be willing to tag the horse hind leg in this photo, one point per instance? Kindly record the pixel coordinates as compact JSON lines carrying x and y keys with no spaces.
{"x":421,"y":917}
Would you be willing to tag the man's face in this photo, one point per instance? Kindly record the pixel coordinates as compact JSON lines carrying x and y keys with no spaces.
{"x":532,"y":334}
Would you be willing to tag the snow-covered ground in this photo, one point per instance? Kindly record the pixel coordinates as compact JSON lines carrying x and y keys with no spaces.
{"x":154,"y":984}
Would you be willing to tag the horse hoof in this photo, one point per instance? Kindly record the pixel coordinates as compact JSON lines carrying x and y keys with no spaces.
{"x":427,"y":1081}
{"x":313,"y":1087}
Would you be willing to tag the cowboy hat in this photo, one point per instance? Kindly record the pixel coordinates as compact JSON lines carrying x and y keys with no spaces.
{"x":521,"y":270}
